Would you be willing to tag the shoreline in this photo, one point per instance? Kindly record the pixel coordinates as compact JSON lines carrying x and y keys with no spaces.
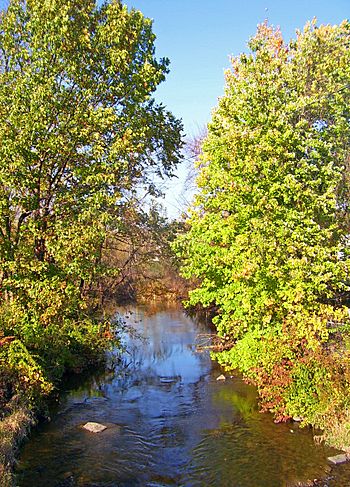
{"x":14,"y":428}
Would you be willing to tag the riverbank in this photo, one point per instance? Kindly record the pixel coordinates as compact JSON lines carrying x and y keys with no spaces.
{"x":169,"y":421}
{"x":105,"y":395}
{"x":13,"y":429}
{"x":31,"y":375}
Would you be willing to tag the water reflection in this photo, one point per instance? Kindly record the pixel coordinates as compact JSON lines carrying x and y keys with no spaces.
{"x":169,"y":423}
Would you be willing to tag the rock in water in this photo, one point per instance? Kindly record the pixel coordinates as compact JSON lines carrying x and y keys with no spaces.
{"x":94,"y":427}
{"x":221,"y":377}
{"x":68,"y":480}
{"x":337,"y":459}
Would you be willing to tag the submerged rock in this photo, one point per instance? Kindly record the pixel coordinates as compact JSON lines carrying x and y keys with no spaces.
{"x":221,"y":377}
{"x":337,"y":459}
{"x":94,"y":427}
{"x":67,"y":481}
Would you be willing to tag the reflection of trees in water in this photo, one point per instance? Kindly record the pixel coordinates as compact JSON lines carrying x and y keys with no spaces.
{"x":168,"y":333}
{"x":147,"y":310}
{"x":148,"y":353}
{"x":210,"y":432}
{"x":253,"y":450}
{"x":242,"y":398}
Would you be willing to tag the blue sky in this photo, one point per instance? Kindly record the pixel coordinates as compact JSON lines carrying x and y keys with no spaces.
{"x":199,"y":36}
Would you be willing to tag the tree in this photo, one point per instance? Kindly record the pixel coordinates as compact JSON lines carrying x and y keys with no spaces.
{"x":79,"y":128}
{"x":141,"y":251}
{"x":268,"y":236}
{"x":80,"y":133}
{"x":192,"y":152}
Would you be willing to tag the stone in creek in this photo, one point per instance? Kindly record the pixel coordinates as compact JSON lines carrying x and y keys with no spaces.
{"x":68,"y":480}
{"x":337,"y":459}
{"x":94,"y":427}
{"x":221,"y":377}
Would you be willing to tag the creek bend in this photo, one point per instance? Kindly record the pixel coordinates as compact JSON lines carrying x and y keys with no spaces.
{"x":170,"y":423}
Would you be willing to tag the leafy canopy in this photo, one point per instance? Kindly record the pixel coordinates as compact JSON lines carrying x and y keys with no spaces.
{"x":80,"y":136}
{"x":268,"y":236}
{"x":79,"y":128}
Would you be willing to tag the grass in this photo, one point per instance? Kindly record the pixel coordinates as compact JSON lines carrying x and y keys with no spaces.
{"x":13,"y":429}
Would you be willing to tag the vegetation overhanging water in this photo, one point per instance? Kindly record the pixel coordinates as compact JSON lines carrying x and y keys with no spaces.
{"x":267,"y":243}
{"x":170,"y":422}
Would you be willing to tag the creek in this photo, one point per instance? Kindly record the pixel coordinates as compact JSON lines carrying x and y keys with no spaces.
{"x":170,"y":422}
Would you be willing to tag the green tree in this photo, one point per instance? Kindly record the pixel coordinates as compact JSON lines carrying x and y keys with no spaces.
{"x":268,"y":235}
{"x":79,"y":128}
{"x":80,"y":134}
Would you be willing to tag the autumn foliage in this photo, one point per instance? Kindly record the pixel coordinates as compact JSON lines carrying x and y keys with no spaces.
{"x":81,"y":137}
{"x":268,"y":235}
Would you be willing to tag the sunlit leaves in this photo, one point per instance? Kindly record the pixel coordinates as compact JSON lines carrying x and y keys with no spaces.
{"x":80,"y":132}
{"x":269,"y":226}
{"x":79,"y":129}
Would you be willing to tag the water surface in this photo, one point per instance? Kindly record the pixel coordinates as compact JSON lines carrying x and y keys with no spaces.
{"x":170,"y":423}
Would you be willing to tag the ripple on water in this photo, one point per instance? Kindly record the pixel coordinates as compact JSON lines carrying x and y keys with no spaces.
{"x":169,"y":423}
